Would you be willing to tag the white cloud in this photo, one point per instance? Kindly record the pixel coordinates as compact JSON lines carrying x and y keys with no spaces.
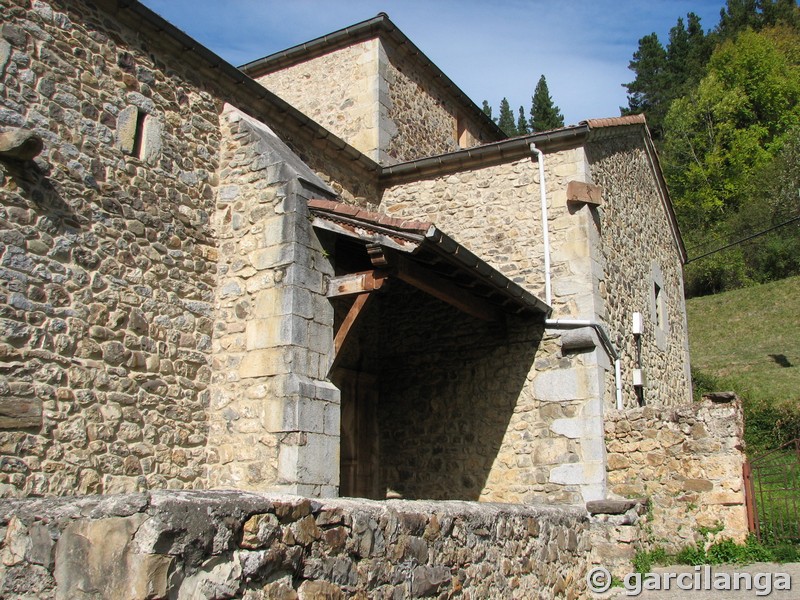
{"x":489,"y":49}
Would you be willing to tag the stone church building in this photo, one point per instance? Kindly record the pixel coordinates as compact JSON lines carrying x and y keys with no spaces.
{"x":325,"y":273}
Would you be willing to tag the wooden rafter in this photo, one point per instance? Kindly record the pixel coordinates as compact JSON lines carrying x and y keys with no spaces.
{"x":431,"y":283}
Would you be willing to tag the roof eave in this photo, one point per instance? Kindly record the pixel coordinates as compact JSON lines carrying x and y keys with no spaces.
{"x":484,"y":155}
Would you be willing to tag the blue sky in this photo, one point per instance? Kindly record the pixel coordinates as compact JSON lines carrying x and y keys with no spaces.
{"x":489,"y":49}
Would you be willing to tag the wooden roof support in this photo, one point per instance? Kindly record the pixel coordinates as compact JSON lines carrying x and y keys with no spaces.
{"x":438,"y":287}
{"x":347,"y":325}
{"x":356,"y":283}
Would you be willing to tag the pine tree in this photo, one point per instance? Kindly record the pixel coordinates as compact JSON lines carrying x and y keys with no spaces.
{"x":545,"y":115}
{"x":487,"y":110}
{"x":522,"y":123}
{"x":646,"y":92}
{"x":506,"y":120}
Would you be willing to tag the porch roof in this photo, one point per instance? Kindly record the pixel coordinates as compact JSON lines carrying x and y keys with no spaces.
{"x":423,"y":255}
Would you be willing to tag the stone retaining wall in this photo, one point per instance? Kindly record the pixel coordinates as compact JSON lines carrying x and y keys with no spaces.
{"x":244,"y":545}
{"x":687,"y":461}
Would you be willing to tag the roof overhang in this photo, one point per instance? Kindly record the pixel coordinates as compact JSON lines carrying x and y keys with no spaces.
{"x":424,"y":256}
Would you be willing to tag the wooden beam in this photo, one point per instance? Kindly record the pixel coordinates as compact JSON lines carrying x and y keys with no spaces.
{"x":347,"y":325}
{"x":356,"y":283}
{"x":442,"y":289}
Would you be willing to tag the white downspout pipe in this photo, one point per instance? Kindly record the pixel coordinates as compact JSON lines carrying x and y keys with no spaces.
{"x":608,"y":346}
{"x":548,"y":292}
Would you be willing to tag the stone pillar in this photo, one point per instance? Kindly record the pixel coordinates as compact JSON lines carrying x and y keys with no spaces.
{"x":577,"y":259}
{"x":274,"y":419}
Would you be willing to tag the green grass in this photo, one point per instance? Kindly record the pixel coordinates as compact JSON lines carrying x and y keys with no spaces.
{"x":741,"y":335}
{"x":722,"y":552}
{"x":748,"y":341}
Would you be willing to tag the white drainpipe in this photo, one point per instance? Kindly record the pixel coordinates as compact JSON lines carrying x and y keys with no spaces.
{"x":608,"y":346}
{"x":548,"y":292}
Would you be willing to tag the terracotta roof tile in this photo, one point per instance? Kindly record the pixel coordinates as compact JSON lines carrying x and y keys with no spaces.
{"x":367,"y":216}
{"x":616,"y":121}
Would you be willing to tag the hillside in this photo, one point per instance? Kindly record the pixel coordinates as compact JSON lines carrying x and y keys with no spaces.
{"x":749,"y":340}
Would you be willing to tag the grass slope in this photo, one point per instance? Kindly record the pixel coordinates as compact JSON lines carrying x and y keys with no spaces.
{"x":750,"y":338}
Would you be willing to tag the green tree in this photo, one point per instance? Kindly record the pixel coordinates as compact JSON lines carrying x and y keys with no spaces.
{"x":725,"y":129}
{"x":522,"y":123}
{"x":545,"y":115}
{"x":487,"y":110}
{"x":739,"y":15}
{"x":687,"y":53}
{"x":647,"y":92}
{"x":664,"y":74}
{"x":506,"y":119}
{"x":720,"y":146}
{"x":773,"y":197}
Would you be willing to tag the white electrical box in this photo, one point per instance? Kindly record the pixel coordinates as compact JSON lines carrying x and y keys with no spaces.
{"x":638,"y":377}
{"x":638,"y":326}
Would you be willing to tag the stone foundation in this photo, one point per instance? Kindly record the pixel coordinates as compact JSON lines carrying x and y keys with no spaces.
{"x":231,"y":544}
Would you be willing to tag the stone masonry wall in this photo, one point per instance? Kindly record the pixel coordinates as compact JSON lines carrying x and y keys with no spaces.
{"x":377,"y":100}
{"x":419,"y":119}
{"x":688,"y":461}
{"x":557,"y":422}
{"x":640,"y":252}
{"x":107,"y":260}
{"x":273,"y":416}
{"x":459,"y":420}
{"x":228,"y":544}
{"x":338,"y":90}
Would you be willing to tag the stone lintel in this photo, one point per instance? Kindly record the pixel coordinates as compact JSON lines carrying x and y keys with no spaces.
{"x":20,"y":413}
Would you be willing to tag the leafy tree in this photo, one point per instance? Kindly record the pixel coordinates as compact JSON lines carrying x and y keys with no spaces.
{"x":545,"y":115}
{"x":724,"y":143}
{"x":724,"y":130}
{"x":687,"y":53}
{"x":522,"y":123}
{"x":664,"y":74}
{"x":773,"y":197}
{"x":506,"y":119}
{"x":487,"y":110}
{"x":649,"y":63}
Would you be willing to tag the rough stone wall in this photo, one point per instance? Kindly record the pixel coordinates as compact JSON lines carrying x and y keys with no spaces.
{"x":107,"y":261}
{"x":418,"y":119}
{"x":228,"y":544}
{"x":273,"y":417}
{"x":377,"y":100}
{"x":554,"y":445}
{"x":640,"y":251}
{"x":337,"y":90}
{"x":688,"y":461}
{"x":456,"y":419}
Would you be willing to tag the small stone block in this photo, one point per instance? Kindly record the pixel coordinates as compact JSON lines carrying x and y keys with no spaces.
{"x":588,"y":193}
{"x":614,"y":507}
